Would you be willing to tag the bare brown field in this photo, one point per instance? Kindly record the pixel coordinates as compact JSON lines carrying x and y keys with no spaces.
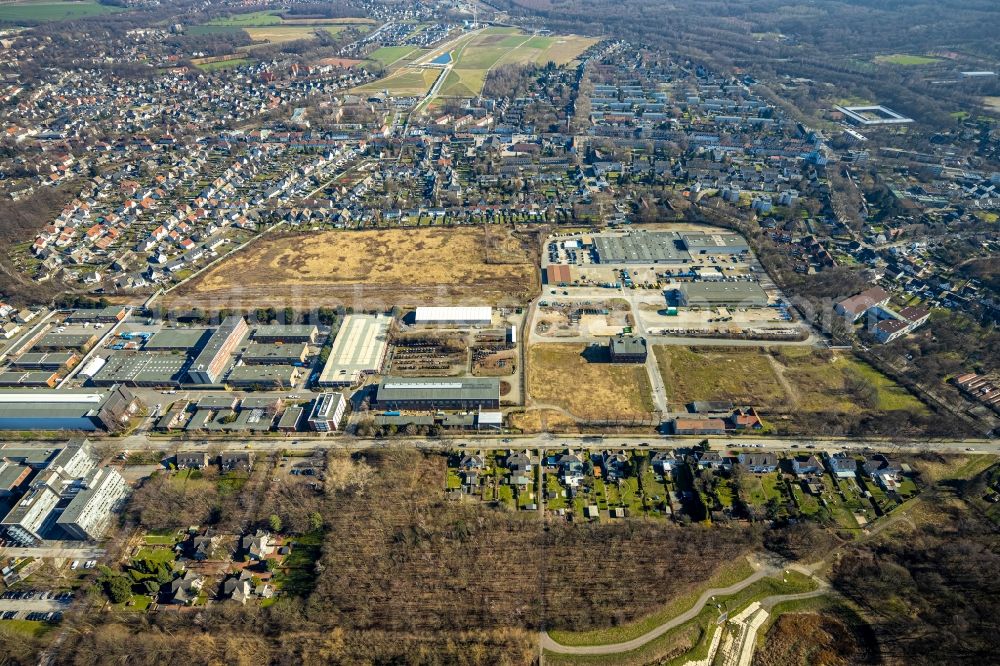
{"x":369,"y":270}
{"x":560,"y":375}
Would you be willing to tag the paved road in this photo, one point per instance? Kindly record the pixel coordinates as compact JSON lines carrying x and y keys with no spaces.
{"x":304,"y":441}
{"x":32,"y":605}
{"x":75,"y":552}
{"x":687,"y":616}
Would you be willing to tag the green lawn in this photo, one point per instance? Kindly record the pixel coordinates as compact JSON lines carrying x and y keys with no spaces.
{"x":387,"y":55}
{"x":250,"y":19}
{"x":907,"y":60}
{"x":296,"y":574}
{"x":156,"y":554}
{"x":26,"y":627}
{"x":160,"y":539}
{"x":32,"y":12}
{"x":223,"y":64}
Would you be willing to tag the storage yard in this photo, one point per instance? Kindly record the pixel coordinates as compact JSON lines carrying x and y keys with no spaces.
{"x":679,"y":279}
{"x":368,"y":270}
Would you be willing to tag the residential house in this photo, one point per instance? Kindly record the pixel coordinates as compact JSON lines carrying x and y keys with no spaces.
{"x":715,"y":461}
{"x":665,"y":462}
{"x":759,"y":463}
{"x":883,"y":471}
{"x":614,"y":465}
{"x":570,"y":468}
{"x":257,"y":546}
{"x":184,"y":590}
{"x":191,"y":459}
{"x":745,"y":418}
{"x":841,"y":465}
{"x":232,"y":460}
{"x":806,"y":465}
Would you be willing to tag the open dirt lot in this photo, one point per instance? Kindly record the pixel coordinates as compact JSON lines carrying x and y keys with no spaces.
{"x":779,"y":380}
{"x":369,"y":270}
{"x":559,"y":374}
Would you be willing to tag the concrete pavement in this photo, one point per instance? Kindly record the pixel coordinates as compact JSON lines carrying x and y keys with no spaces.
{"x":307,"y":441}
{"x":32,"y":605}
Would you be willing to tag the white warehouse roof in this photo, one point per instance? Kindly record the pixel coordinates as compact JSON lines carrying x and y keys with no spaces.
{"x":459,"y":314}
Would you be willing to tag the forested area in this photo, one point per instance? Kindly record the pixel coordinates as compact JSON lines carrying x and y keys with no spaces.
{"x":932,"y":594}
{"x":829,"y":42}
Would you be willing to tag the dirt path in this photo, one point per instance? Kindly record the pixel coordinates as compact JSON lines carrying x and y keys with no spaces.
{"x":779,"y":373}
{"x":614,"y":648}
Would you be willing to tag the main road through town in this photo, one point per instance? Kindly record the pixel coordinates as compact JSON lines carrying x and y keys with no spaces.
{"x":471,"y":441}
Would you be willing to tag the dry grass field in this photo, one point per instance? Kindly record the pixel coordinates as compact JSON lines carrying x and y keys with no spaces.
{"x":781,"y":380}
{"x":369,"y":270}
{"x":278,"y":34}
{"x":559,"y":374}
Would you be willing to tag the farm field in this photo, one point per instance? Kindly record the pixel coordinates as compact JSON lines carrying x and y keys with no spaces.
{"x":369,"y":270}
{"x":405,"y":82}
{"x":779,"y":381}
{"x":388,"y":55}
{"x":288,"y":33}
{"x":475,"y":57}
{"x":269,"y":27}
{"x":34,"y":12}
{"x":559,"y":374}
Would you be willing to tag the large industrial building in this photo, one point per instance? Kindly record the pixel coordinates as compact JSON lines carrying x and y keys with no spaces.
{"x":87,"y":516}
{"x":327,"y":411}
{"x":109,"y":315}
{"x":454,"y":316}
{"x":67,"y":409}
{"x":742,"y":294}
{"x":359,"y":349}
{"x":260,"y":353}
{"x":648,"y":247}
{"x":714,"y":243}
{"x":217,"y":353}
{"x":429,"y":393}
{"x":270,"y":334}
{"x":141,"y":369}
{"x":264,"y":376}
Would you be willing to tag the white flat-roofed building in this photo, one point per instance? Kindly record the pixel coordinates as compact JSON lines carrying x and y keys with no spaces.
{"x":327,"y":412}
{"x":470,"y":316}
{"x":359,"y":349}
{"x":88,"y":514}
{"x":30,"y":516}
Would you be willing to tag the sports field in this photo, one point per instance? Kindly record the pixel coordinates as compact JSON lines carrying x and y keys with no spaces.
{"x":369,"y":270}
{"x":34,"y":12}
{"x":906,"y":60}
{"x":213,"y":65}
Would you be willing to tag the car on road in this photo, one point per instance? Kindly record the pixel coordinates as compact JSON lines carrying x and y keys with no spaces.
{"x":75,"y":565}
{"x":969,"y":448}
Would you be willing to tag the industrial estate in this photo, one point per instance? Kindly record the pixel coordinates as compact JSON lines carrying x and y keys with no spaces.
{"x":497,"y":333}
